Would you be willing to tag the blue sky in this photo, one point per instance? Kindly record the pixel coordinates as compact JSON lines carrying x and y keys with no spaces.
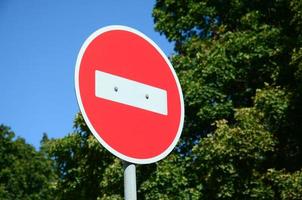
{"x":40,"y":41}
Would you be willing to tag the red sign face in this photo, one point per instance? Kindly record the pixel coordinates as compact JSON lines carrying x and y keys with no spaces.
{"x":129,"y":94}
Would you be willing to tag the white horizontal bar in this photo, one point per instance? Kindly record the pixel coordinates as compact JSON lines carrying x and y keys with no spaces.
{"x":131,"y":93}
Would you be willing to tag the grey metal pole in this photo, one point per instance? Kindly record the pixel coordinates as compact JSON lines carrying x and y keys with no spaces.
{"x":129,"y":181}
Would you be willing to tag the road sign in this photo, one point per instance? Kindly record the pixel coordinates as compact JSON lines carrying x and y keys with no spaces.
{"x":129,"y":94}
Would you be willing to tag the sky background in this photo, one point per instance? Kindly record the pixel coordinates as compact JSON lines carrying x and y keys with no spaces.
{"x":39,"y":44}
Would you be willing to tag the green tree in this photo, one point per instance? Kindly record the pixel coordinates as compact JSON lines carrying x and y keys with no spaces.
{"x":239,"y":64}
{"x":24,"y":173}
{"x":85,"y":169}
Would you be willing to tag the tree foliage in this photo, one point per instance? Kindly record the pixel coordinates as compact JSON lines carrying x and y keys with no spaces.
{"x":239,"y":64}
{"x":85,"y":169}
{"x":24,"y":172}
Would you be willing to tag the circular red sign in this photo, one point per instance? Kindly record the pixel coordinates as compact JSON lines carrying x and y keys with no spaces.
{"x":129,"y":94}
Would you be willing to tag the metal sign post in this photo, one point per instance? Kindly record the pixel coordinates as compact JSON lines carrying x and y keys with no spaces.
{"x":129,"y":181}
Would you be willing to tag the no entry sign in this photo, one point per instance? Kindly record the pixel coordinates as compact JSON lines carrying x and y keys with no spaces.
{"x":129,"y":94}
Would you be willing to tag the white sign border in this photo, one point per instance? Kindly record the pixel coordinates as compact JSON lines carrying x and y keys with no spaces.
{"x":94,"y":132}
